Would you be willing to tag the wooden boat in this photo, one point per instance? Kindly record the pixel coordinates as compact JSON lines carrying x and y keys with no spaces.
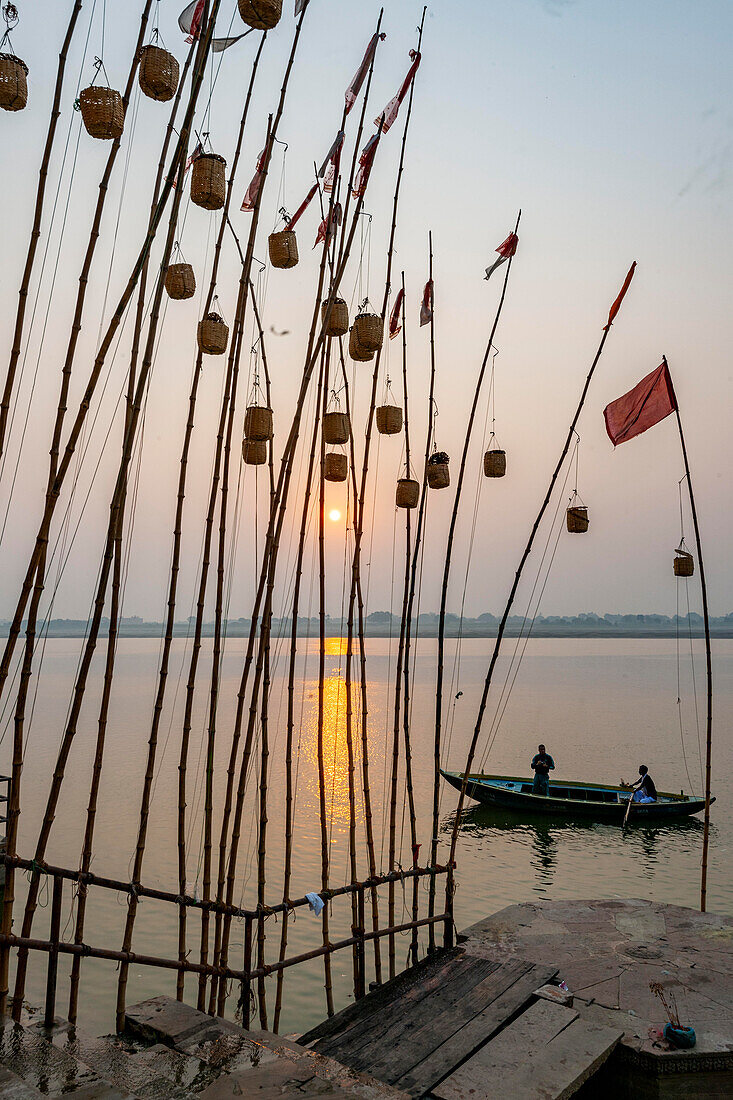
{"x":591,"y":800}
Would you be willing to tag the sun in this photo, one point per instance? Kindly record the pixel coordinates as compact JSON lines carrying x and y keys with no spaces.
{"x":334,"y":515}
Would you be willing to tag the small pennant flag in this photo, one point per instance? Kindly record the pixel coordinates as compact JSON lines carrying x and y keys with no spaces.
{"x":329,"y":168}
{"x":506,"y":250}
{"x":622,"y":293}
{"x":426,"y":306}
{"x":395,"y":322}
{"x":190,"y":23}
{"x":366,"y":160}
{"x":393,"y":107}
{"x":650,"y":401}
{"x":355,"y":86}
{"x":329,"y":224}
{"x":253,"y":190}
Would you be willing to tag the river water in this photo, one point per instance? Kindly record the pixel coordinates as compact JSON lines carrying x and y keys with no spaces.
{"x":601,"y":706}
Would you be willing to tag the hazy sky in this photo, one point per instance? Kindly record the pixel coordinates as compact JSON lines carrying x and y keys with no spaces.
{"x":609,"y":124}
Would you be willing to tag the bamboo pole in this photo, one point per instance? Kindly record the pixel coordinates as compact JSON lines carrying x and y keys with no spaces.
{"x":446,"y":571}
{"x":262,"y":845}
{"x":708,"y":665}
{"x":36,"y":227}
{"x":518,"y":575}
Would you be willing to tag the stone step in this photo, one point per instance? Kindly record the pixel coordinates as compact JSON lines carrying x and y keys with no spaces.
{"x":183,"y":1070}
{"x":13,"y":1087}
{"x":41,"y":1065}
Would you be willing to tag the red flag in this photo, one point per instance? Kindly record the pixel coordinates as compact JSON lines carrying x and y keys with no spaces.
{"x":617,"y":304}
{"x":649,"y":402}
{"x":354,"y":88}
{"x":190,"y":19}
{"x":426,"y":306}
{"x":329,"y":224}
{"x":392,"y":109}
{"x":506,"y":250}
{"x":250,"y":198}
{"x":395,"y":324}
{"x":366,"y":160}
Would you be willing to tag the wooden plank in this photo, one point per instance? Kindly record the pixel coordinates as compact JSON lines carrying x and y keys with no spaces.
{"x":568,"y":1061}
{"x":427,"y":971}
{"x":474,"y":1034}
{"x":418,"y":1037}
{"x":525,"y":1039}
{"x":360,"y":1043}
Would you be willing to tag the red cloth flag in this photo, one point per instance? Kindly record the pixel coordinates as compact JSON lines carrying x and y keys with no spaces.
{"x":250,"y":198}
{"x":506,"y":250}
{"x":622,"y":293}
{"x":395,"y":324}
{"x":426,"y":306}
{"x":355,"y":87}
{"x":392,"y":109}
{"x":329,"y":168}
{"x":190,"y":23}
{"x":329,"y":224}
{"x":366,"y":160}
{"x":649,"y":402}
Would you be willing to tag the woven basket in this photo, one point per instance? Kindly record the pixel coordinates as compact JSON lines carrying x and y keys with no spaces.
{"x":213,"y":334}
{"x":684,"y":565}
{"x":208,"y":181}
{"x":369,"y":331}
{"x":356,"y":351}
{"x":336,"y":428}
{"x":283,"y":248}
{"x":258,"y":423}
{"x":495,"y":463}
{"x":335,"y":466}
{"x":13,"y":83}
{"x":338,"y":322}
{"x":577,"y":520}
{"x":180,"y":281}
{"x":158,"y":73}
{"x":389,"y":419}
{"x":102,"y":112}
{"x":254,"y":452}
{"x":438,"y":475}
{"x":408,"y":493}
{"x":263,"y":15}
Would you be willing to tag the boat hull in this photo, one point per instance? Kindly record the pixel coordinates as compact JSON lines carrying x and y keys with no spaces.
{"x":595,"y":802}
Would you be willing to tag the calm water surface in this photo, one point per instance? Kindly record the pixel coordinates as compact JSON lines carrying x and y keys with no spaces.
{"x":602,"y":707}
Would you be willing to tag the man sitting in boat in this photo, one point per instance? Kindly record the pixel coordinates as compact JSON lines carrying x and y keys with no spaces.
{"x":644,"y":789}
{"x":542,"y":765}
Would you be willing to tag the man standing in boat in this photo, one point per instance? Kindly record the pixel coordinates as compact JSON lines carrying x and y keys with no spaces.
{"x":542,"y":765}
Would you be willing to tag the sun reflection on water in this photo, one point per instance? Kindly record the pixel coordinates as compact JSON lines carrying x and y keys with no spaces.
{"x":335,"y":749}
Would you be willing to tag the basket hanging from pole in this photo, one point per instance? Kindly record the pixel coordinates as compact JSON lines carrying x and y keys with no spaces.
{"x":437,"y":471}
{"x":408,"y":493}
{"x":263,"y":15}
{"x":102,"y":112}
{"x":283,"y":248}
{"x":13,"y":82}
{"x":369,"y":329}
{"x":158,"y":73}
{"x":208,"y":181}
{"x":213,"y":334}
{"x":336,"y":428}
{"x":338,"y":322}
{"x":356,"y":351}
{"x":495,"y":463}
{"x":577,"y":519}
{"x":254,"y":451}
{"x":180,"y":281}
{"x":258,"y":424}
{"x":684,"y":564}
{"x":335,"y":466}
{"x":389,"y":419}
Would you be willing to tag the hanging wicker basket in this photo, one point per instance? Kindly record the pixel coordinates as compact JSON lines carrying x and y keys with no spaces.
{"x":495,"y":463}
{"x":13,"y":82}
{"x":408,"y":493}
{"x":577,"y":520}
{"x":258,"y":423}
{"x":283,"y":248}
{"x":336,"y":427}
{"x":263,"y":15}
{"x":254,"y":452}
{"x":335,"y":466}
{"x":356,"y":351}
{"x":208,"y":181}
{"x":369,"y":329}
{"x":158,"y":73}
{"x":338,"y":322}
{"x":102,"y":112}
{"x":684,"y":564}
{"x":438,"y":474}
{"x":180,"y":281}
{"x":389,"y":419}
{"x":213,"y":334}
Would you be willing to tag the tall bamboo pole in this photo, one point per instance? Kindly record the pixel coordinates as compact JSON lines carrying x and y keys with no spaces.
{"x":708,"y":666}
{"x":36,"y":227}
{"x":518,"y":575}
{"x":446,"y":574}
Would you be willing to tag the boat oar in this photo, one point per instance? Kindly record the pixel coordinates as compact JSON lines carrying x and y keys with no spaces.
{"x":628,"y":810}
